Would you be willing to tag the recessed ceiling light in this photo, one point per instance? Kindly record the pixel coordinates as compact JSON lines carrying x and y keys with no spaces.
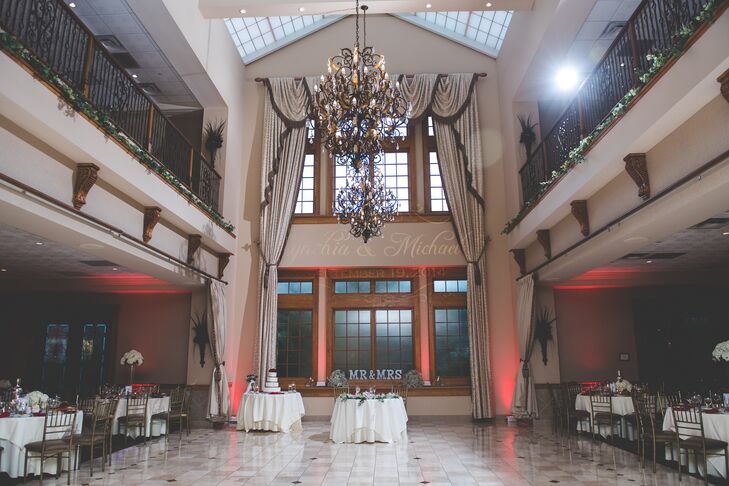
{"x":115,"y":269}
{"x":489,"y":4}
{"x":566,"y":78}
{"x":39,"y":243}
{"x":649,"y":261}
{"x":726,"y":233}
{"x":301,"y":9}
{"x":135,"y":76}
{"x":72,"y":5}
{"x":427,"y":5}
{"x":243,"y":11}
{"x":3,"y":269}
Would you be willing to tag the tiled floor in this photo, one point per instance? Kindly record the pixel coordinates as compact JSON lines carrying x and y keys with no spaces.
{"x":435,"y":454}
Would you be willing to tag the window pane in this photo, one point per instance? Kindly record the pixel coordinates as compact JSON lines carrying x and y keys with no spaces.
{"x":437,"y":195}
{"x":294,"y":357}
{"x":295,"y":288}
{"x":283,"y":287}
{"x":394,"y":168}
{"x":392,"y":286}
{"x":305,"y":200}
{"x":451,"y":342}
{"x":352,"y":287}
{"x":450,"y":286}
{"x":394,"y":341}
{"x":352,"y":353}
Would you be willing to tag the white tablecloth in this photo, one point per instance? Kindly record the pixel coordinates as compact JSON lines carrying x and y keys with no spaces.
{"x":716,"y":426}
{"x":265,"y":411}
{"x":371,"y":420}
{"x":622,"y":406}
{"x":15,"y":432}
{"x":154,"y":427}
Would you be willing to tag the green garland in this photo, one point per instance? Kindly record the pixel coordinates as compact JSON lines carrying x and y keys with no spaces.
{"x":658,"y":60}
{"x":79,"y":103}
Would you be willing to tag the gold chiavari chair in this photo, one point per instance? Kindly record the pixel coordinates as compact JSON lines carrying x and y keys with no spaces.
{"x":574,"y":416}
{"x":402,"y":391}
{"x":559,"y":411}
{"x":689,"y":423}
{"x":113,"y":406}
{"x":136,"y":415}
{"x":648,"y":427}
{"x":338,"y":390}
{"x":602,"y":413}
{"x":94,"y":435}
{"x":176,"y":402}
{"x":58,"y":430}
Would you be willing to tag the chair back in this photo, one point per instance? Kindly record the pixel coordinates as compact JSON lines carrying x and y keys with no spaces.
{"x":601,"y":403}
{"x":58,"y":425}
{"x":186,"y":400}
{"x":137,"y":405}
{"x":99,"y":417}
{"x":572,"y":389}
{"x":558,"y":400}
{"x":86,"y":405}
{"x":338,"y":390}
{"x":400,"y":390}
{"x":645,"y":411}
{"x":177,"y":399}
{"x":688,"y":421}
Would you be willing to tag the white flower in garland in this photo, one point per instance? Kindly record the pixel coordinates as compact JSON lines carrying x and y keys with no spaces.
{"x":721,"y":352}
{"x":132,"y":358}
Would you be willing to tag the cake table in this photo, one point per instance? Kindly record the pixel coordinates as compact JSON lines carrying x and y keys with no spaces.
{"x":277,"y":412}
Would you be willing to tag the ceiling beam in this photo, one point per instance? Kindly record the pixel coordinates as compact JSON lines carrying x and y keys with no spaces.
{"x":268,"y":8}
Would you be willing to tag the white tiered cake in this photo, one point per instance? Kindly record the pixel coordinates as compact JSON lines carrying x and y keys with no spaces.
{"x":271,"y":384}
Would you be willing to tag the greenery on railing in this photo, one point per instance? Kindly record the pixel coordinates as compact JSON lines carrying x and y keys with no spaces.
{"x":77,"y":102}
{"x":658,"y":60}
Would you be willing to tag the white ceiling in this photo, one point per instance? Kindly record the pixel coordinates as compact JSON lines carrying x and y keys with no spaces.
{"x":115,"y":18}
{"x":28,"y":261}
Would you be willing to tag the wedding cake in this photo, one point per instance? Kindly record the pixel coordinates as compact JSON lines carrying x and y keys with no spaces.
{"x":272,"y":381}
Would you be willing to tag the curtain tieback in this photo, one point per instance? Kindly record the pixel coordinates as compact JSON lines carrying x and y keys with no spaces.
{"x":267,"y":270}
{"x":477,"y":276}
{"x":524,"y":369}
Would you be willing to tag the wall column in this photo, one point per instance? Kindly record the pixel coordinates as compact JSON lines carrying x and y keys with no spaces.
{"x":321,"y":329}
{"x":424,"y":318}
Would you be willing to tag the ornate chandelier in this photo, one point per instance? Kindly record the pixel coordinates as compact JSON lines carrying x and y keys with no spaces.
{"x":364,"y":202}
{"x":358,"y":108}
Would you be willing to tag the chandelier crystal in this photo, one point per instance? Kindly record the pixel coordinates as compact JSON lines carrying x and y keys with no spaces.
{"x":364,"y":202}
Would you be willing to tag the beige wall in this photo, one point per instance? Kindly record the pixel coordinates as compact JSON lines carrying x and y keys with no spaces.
{"x":422,"y":53}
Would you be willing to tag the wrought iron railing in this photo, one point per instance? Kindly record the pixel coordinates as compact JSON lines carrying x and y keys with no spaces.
{"x":655,"y":26}
{"x":53,"y":33}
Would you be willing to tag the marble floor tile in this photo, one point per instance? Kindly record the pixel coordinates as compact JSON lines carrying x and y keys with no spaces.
{"x":434,"y":454}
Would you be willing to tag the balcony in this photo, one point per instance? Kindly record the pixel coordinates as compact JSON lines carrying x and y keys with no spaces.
{"x":48,"y":38}
{"x":654,"y":37}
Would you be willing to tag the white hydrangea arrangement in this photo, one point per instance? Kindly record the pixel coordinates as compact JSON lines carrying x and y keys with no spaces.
{"x":623,"y":386}
{"x":721,"y":352}
{"x":132,"y":358}
{"x":412,"y":379}
{"x":35,"y":399}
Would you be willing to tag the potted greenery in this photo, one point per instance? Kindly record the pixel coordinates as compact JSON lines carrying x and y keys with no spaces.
{"x":543,"y":330}
{"x":202,"y":338}
{"x":214,"y":138}
{"x":528,"y":136}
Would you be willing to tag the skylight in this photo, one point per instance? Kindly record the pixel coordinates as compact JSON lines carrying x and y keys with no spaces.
{"x":483,"y":31}
{"x":254,"y":37}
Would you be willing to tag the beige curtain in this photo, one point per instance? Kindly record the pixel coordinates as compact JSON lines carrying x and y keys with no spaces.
{"x":524,"y":403}
{"x":286,"y":109}
{"x":450,"y":100}
{"x":219,"y":405}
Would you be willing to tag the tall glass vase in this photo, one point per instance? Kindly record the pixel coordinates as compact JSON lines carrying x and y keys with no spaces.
{"x":131,"y":374}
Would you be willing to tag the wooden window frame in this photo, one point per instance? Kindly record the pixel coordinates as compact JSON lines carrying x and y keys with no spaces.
{"x":302,"y":302}
{"x":429,"y":145}
{"x":444,"y":300}
{"x":312,"y":148}
{"x":372,"y":302}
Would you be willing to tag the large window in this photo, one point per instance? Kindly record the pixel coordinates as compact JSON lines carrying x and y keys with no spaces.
{"x":449,"y":344}
{"x":296,"y":326}
{"x":307,"y":199}
{"x":435,"y":199}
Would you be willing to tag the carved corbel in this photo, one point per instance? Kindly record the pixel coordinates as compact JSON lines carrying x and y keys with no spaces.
{"x":151,"y":218}
{"x":520,"y":259}
{"x":193,"y":243}
{"x":635,"y":166}
{"x":724,"y":81}
{"x":543,"y":239}
{"x":579,"y":211}
{"x":223,"y":259}
{"x":86,"y":177}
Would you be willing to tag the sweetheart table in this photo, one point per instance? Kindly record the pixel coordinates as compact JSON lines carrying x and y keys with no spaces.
{"x":369,"y":420}
{"x":15,"y":433}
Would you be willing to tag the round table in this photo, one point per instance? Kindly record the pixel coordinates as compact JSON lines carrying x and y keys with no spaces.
{"x":716,"y":426}
{"x":15,"y":433}
{"x":155,"y":428}
{"x":369,"y":420}
{"x":622,"y":406}
{"x":277,"y":412}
